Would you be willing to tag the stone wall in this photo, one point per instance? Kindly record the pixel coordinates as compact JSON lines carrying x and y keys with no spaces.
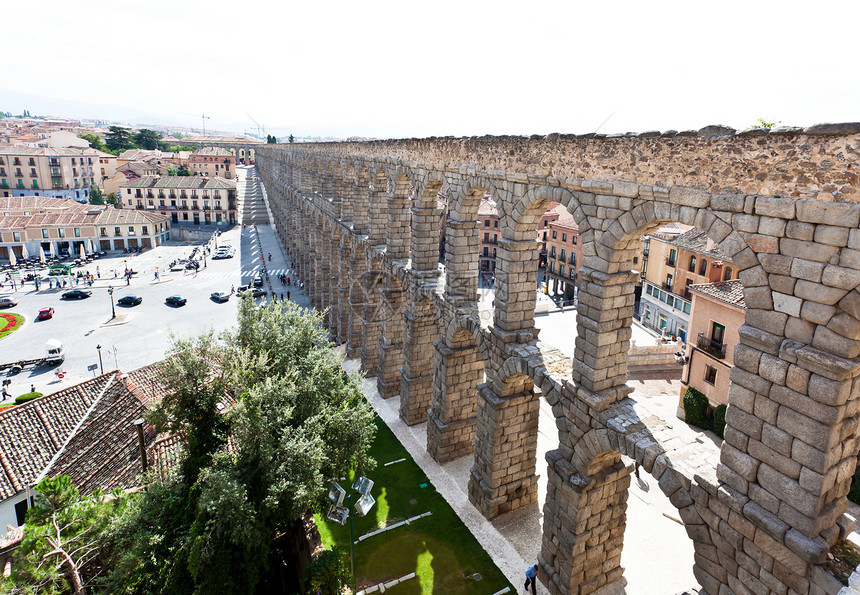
{"x":762,"y":510}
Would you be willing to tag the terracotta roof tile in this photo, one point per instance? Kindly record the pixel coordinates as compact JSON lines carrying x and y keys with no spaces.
{"x":730,"y":292}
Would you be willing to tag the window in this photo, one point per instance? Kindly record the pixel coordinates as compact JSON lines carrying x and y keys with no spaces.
{"x":703,"y":267}
{"x":564,"y":237}
{"x":718,"y":332}
{"x":16,"y":236}
{"x":563,"y":254}
{"x":486,"y":251}
{"x":670,"y":301}
{"x":44,"y":233}
{"x":669,"y":282}
{"x":710,"y":375}
{"x":496,"y":223}
{"x":727,"y":273}
{"x":544,"y":236}
{"x":486,"y":222}
{"x":648,"y":289}
{"x":671,"y":260}
{"x":561,"y":270}
{"x":554,"y":235}
{"x":486,"y":237}
{"x":77,"y":232}
{"x":117,"y":232}
{"x":62,"y":232}
{"x":552,"y":252}
{"x":686,"y":307}
{"x":145,"y":230}
{"x":573,"y":258}
{"x":575,"y":238}
{"x":692,"y":267}
{"x":662,"y":296}
{"x":552,"y":267}
{"x":495,"y":238}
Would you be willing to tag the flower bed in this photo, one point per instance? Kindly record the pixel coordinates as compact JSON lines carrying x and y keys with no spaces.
{"x":10,"y":323}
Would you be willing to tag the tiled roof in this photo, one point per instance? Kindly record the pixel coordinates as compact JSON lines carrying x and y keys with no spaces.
{"x":29,"y":203}
{"x":696,"y":240}
{"x":730,"y":292}
{"x":48,"y":151}
{"x":188,"y":182}
{"x":85,"y":215}
{"x":485,"y":208}
{"x":567,"y":223}
{"x":212,"y":151}
{"x":31,"y":434}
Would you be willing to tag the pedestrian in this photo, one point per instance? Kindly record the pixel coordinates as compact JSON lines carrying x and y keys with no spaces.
{"x":32,"y":388}
{"x":6,"y":394}
{"x":128,"y":279}
{"x":270,"y":257}
{"x":288,"y":295}
{"x":531,"y":579}
{"x":282,"y":296}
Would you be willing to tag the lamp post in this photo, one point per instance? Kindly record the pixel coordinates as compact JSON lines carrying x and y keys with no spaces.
{"x":340,"y":513}
{"x":99,"y":349}
{"x":112,"y":307}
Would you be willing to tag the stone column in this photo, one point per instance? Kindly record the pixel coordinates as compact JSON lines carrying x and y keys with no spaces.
{"x":377,"y":228}
{"x":391,"y":340}
{"x":345,"y":275}
{"x":358,"y":268}
{"x":583,"y":527}
{"x":370,"y":320}
{"x":331,"y":290}
{"x":461,"y":248}
{"x":451,"y":420}
{"x":503,"y":476}
{"x":422,"y":330}
{"x":516,"y":284}
{"x":603,"y":320}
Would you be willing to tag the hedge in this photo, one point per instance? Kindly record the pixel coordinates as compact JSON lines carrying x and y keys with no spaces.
{"x":27,"y":397}
{"x":696,"y":409}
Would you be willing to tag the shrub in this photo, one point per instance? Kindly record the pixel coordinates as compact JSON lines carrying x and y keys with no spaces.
{"x":26,"y":397}
{"x":329,"y":573}
{"x":696,"y":409}
{"x":720,"y":420}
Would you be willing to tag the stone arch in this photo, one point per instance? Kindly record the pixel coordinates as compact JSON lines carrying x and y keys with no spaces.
{"x":378,"y":208}
{"x":398,"y":231}
{"x":462,"y":242}
{"x":427,"y":224}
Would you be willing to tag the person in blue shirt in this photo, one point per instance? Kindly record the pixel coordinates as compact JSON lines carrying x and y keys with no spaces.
{"x":531,"y":579}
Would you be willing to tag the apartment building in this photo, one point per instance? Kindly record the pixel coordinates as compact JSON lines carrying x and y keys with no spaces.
{"x":211,"y":162}
{"x":564,"y":256}
{"x":32,"y":223}
{"x":673,"y":267}
{"x":718,"y":312}
{"x":48,"y":171}
{"x":184,"y":199}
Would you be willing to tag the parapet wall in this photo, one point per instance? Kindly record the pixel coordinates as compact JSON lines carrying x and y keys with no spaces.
{"x":816,"y":162}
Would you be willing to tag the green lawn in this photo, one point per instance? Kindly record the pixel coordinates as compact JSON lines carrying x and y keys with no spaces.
{"x":439,"y":548}
{"x":6,"y":320}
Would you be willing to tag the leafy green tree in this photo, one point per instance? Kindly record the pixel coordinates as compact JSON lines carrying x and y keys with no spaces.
{"x":183,"y":171}
{"x":96,"y":196}
{"x":118,"y":139}
{"x":171,"y":171}
{"x":270,"y":139}
{"x":111,"y":198}
{"x":292,"y":139}
{"x":298,"y":420}
{"x":61,"y":551}
{"x":147,"y":139}
{"x":95,"y":141}
{"x":330,"y":572}
{"x":177,"y":148}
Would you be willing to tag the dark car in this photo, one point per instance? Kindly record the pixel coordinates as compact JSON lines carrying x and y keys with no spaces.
{"x":129,"y":300}
{"x":220,"y":296}
{"x":175,"y":300}
{"x":77,"y":294}
{"x":46,"y":312}
{"x":258,"y":282}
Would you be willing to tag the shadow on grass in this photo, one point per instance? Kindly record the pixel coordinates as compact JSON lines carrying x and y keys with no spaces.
{"x":439,"y":549}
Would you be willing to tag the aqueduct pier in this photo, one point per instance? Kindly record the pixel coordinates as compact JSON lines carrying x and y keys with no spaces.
{"x":361,"y":222}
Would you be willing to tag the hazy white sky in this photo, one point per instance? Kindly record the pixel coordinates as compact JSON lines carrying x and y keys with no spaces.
{"x":403,"y":69}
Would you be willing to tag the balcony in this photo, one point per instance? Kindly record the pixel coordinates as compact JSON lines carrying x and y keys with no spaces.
{"x":718,"y":350}
{"x":670,"y":262}
{"x":666,"y":286}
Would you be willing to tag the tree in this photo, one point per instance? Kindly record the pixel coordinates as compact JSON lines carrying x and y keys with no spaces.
{"x":292,"y":139}
{"x":96,"y":196}
{"x":111,"y":198}
{"x":171,"y":171}
{"x":183,"y":171}
{"x":147,"y":139}
{"x":61,"y":550}
{"x":298,"y":420}
{"x":118,"y":139}
{"x":270,"y":139}
{"x":95,"y":141}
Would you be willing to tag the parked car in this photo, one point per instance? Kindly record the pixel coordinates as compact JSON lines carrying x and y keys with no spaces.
{"x":255,"y":291}
{"x":77,"y":294}
{"x":220,"y":255}
{"x":46,"y":313}
{"x":258,"y":282}
{"x":220,"y":296}
{"x":129,"y":300}
{"x":7,"y":302}
{"x":175,"y":300}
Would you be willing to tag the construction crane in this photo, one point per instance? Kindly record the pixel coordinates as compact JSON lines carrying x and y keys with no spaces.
{"x":259,"y":127}
{"x":205,"y":117}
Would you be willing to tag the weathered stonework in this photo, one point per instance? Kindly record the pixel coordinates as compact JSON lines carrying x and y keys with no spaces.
{"x":359,"y":219}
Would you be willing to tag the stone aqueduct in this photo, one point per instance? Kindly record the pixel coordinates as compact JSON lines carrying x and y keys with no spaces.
{"x":361,"y":223}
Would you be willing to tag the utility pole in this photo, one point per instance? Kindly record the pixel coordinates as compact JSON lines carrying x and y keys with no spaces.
{"x":205,"y":117}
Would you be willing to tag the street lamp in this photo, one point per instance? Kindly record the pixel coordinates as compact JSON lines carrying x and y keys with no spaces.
{"x":99,"y":349}
{"x":339,"y":513}
{"x":112,"y":307}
